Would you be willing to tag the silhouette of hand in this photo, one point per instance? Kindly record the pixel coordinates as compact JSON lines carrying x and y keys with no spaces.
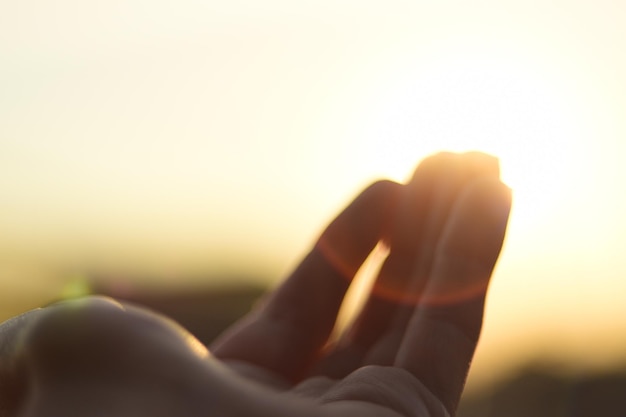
{"x":406,"y":354}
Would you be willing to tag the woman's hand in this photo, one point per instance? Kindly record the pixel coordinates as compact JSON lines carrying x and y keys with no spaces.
{"x":406,"y":354}
{"x":410,"y":348}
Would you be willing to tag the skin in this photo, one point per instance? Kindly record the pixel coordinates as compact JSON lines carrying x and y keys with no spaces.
{"x":407,"y":353}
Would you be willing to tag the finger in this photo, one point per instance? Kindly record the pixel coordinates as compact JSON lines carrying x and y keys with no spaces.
{"x":455,"y":174}
{"x":286,"y":333}
{"x":422,"y":213}
{"x":442,"y":334}
{"x":432,"y":192}
{"x":403,"y":242}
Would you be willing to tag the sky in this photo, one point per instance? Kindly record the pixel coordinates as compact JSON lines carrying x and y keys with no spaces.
{"x":174,"y":141}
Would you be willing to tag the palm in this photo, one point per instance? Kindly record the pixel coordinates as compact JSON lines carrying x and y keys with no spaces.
{"x":408,"y":351}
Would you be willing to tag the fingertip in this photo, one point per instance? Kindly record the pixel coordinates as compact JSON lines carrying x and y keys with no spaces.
{"x":473,"y":163}
{"x":352,"y":235}
{"x":379,"y":192}
{"x":483,"y":164}
{"x":491,"y":197}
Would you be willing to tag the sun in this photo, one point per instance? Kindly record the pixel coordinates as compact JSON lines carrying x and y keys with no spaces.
{"x":481,"y":102}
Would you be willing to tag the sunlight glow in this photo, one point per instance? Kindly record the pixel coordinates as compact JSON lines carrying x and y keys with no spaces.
{"x":490,"y":101}
{"x":358,"y":291}
{"x":202,"y":143}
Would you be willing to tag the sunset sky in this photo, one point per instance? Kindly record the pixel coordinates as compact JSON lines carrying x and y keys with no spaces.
{"x":169,"y":141}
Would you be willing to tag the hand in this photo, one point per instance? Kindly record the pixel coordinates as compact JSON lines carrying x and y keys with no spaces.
{"x":406,"y":354}
{"x":409,"y":350}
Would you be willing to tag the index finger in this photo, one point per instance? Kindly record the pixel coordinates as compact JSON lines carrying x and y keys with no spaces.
{"x":286,"y":334}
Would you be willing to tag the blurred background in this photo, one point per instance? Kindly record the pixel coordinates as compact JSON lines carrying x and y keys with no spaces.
{"x":186,"y":155}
